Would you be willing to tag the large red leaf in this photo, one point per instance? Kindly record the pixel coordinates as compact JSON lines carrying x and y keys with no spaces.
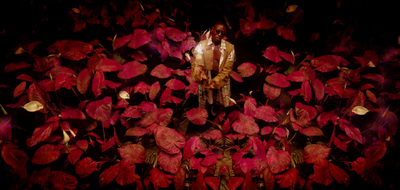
{"x":16,"y":66}
{"x":285,"y":32}
{"x":133,"y":153}
{"x":351,"y":131}
{"x":250,"y":106}
{"x":325,"y":117}
{"x":74,"y":156}
{"x":271,"y":92}
{"x":269,"y":178}
{"x":141,"y":87}
{"x":266,"y":113}
{"x":278,"y":160}
{"x":278,"y":80}
{"x":154,"y":89}
{"x":271,"y":53}
{"x":166,"y":97}
{"x":61,"y":180}
{"x":246,"y":69}
{"x":287,"y":56}
{"x":326,"y":63}
{"x":190,"y":147}
{"x":160,"y":179}
{"x":188,"y":44}
{"x":161,"y":71}
{"x":245,"y":125}
{"x":98,"y":83}
{"x":314,"y":153}
{"x":197,"y":116}
{"x":43,"y":132}
{"x":132,"y":112}
{"x":339,"y":174}
{"x":100,"y":109}
{"x":321,"y":173}
{"x":235,"y":182}
{"x":175,"y":84}
{"x":72,"y":113}
{"x":83,"y":80}
{"x":169,"y":162}
{"x":213,"y":182}
{"x":140,"y":37}
{"x":85,"y":167}
{"x":132,"y":69}
{"x":296,"y":76}
{"x":121,"y":41}
{"x":179,"y":179}
{"x":169,"y":140}
{"x":109,"y":65}
{"x":13,"y":156}
{"x":127,"y":174}
{"x":304,"y":114}
{"x":109,"y":174}
{"x":73,"y":49}
{"x":288,"y":179}
{"x":46,"y":154}
{"x":175,"y":34}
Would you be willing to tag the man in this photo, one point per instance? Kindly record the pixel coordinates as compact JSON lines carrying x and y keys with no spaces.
{"x":211,"y":67}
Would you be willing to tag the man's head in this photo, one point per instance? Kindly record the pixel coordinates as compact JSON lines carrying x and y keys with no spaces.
{"x":218,"y":32}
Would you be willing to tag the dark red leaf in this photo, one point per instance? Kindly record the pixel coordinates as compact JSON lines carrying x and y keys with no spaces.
{"x":246,"y":69}
{"x":166,"y":97}
{"x":83,"y":80}
{"x":311,"y":131}
{"x":160,"y":179}
{"x":169,"y":140}
{"x":19,"y":89}
{"x":213,"y":182}
{"x":266,"y":113}
{"x":245,"y":125}
{"x":351,"y":131}
{"x":85,"y":167}
{"x":190,"y":147}
{"x":338,"y":143}
{"x":288,"y":179}
{"x":136,"y":131}
{"x":121,"y":41}
{"x":179,"y":179}
{"x":287,"y":56}
{"x":272,"y":54}
{"x":73,"y":50}
{"x":133,"y":153}
{"x":247,"y":27}
{"x":269,"y":178}
{"x":109,"y":65}
{"x":25,"y":77}
{"x":161,"y":71}
{"x":98,"y":83}
{"x":112,"y":84}
{"x":325,"y":117}
{"x":376,"y":77}
{"x":61,"y":180}
{"x":147,"y":106}
{"x":132,"y":69}
{"x":132,"y":112}
{"x":319,"y":89}
{"x":126,"y":174}
{"x":187,"y":44}
{"x":74,"y":156}
{"x":271,"y":92}
{"x":175,"y":34}
{"x":278,"y":79}
{"x":236,"y":76}
{"x":169,"y":162}
{"x":43,"y":132}
{"x":326,"y":63}
{"x":14,"y":157}
{"x":16,"y":66}
{"x":339,"y":174}
{"x":314,"y":153}
{"x":375,"y":151}
{"x":296,"y":76}
{"x":140,"y":37}
{"x":154,"y":89}
{"x":266,"y":130}
{"x":105,"y":145}
{"x":72,"y":113}
{"x":100,"y":109}
{"x":278,"y":160}
{"x":175,"y":84}
{"x":286,"y":33}
{"x":250,"y":106}
{"x":5,"y":128}
{"x":235,"y":182}
{"x":46,"y":154}
{"x":306,"y":91}
{"x":321,"y":173}
{"x":109,"y":174}
{"x":371,"y":96}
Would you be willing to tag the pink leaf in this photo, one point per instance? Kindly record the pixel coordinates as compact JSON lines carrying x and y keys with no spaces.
{"x":83,"y":80}
{"x":140,"y":37}
{"x":250,"y":106}
{"x":236,"y":76}
{"x":245,"y":125}
{"x":175,"y":34}
{"x":169,"y":140}
{"x":278,"y":160}
{"x":312,"y":131}
{"x":100,"y":109}
{"x":170,"y":163}
{"x":288,"y":179}
{"x":278,"y":79}
{"x":154,"y":89}
{"x":326,"y":63}
{"x":46,"y":154}
{"x":266,"y":113}
{"x":166,"y":97}
{"x":161,"y":71}
{"x":246,"y":69}
{"x":175,"y":84}
{"x":271,"y":92}
{"x":85,"y":167}
{"x":133,"y":153}
{"x":142,"y":88}
{"x":132,"y":69}
{"x":314,"y":153}
{"x":16,"y":66}
{"x":190,"y":147}
{"x":271,"y":53}
{"x":147,"y":106}
{"x":71,"y":113}
{"x":286,"y":56}
{"x":266,"y":130}
{"x":159,"y":178}
{"x":296,"y":76}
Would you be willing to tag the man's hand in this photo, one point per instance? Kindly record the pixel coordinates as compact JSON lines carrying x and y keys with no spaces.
{"x":212,"y":85}
{"x":203,"y":76}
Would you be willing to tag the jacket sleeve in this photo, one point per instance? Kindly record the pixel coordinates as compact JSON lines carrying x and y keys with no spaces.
{"x":197,"y":63}
{"x":224,"y":74}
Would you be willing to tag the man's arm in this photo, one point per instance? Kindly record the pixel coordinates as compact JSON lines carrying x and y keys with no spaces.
{"x":198,"y":73}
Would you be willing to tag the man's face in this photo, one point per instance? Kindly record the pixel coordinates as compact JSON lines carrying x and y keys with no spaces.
{"x":218,"y":32}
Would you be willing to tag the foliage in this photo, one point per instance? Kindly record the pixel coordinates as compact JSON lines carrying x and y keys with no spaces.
{"x":124,"y":114}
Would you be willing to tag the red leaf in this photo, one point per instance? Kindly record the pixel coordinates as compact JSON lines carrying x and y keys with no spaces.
{"x":375,"y":151}
{"x":19,"y":89}
{"x":236,"y":76}
{"x":169,"y":140}
{"x":126,"y":174}
{"x":46,"y":154}
{"x":161,"y":71}
{"x":271,"y":92}
{"x":166,"y":97}
{"x":278,"y":79}
{"x":179,"y":179}
{"x":160,"y":34}
{"x":108,"y":175}
{"x":154,"y":89}
{"x":136,"y":131}
{"x":321,"y":173}
{"x":319,"y":89}
{"x":5,"y":128}
{"x":314,"y":153}
{"x":304,"y":113}
{"x":73,"y":50}
{"x":13,"y":156}
{"x":306,"y":91}
{"x":61,"y":180}
{"x":43,"y":132}
{"x":210,"y":160}
{"x":175,"y":84}
{"x":119,"y":42}
{"x":213,"y":134}
{"x":142,"y":88}
{"x":266,"y":130}
{"x":287,"y":56}
{"x":235,"y":182}
{"x":147,"y":106}
{"x":160,"y":179}
{"x":74,"y":156}
{"x":341,"y":145}
{"x":83,"y":80}
{"x":376,"y":77}
{"x":266,"y":113}
{"x":245,"y":125}
{"x":326,"y":63}
{"x":170,"y":162}
{"x":132,"y":112}
{"x":271,"y":53}
{"x":25,"y":77}
{"x":371,"y":96}
{"x":325,"y":117}
{"x":132,"y":69}
{"x":296,"y":76}
{"x":278,"y":160}
{"x":351,"y":131}
{"x":247,"y":27}
{"x":286,"y":33}
{"x":190,"y":147}
{"x":72,"y":113}
{"x":98,"y":83}
{"x":112,"y":84}
{"x":82,"y":144}
{"x":213,"y":182}
{"x":140,"y":37}
{"x":339,"y":174}
{"x":246,"y":69}
{"x":133,"y":153}
{"x":288,"y":179}
{"x":175,"y":34}
{"x":105,"y":145}
{"x":85,"y":167}
{"x":311,"y":131}
{"x":109,"y":65}
{"x":269,"y":178}
{"x":100,"y":110}
{"x":250,"y":106}
{"x":188,"y":44}
{"x":16,"y":66}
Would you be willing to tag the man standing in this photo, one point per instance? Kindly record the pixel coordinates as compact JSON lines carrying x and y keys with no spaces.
{"x":211,"y":67}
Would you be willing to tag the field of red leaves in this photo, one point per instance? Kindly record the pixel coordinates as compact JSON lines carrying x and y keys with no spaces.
{"x":120,"y":111}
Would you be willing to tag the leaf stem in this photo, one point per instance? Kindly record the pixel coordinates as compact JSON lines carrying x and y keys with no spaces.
{"x":3,"y":110}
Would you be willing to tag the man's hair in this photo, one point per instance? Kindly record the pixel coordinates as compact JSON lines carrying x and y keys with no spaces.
{"x":218,"y":22}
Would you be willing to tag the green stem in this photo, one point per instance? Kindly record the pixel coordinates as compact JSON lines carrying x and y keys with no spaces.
{"x":3,"y":110}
